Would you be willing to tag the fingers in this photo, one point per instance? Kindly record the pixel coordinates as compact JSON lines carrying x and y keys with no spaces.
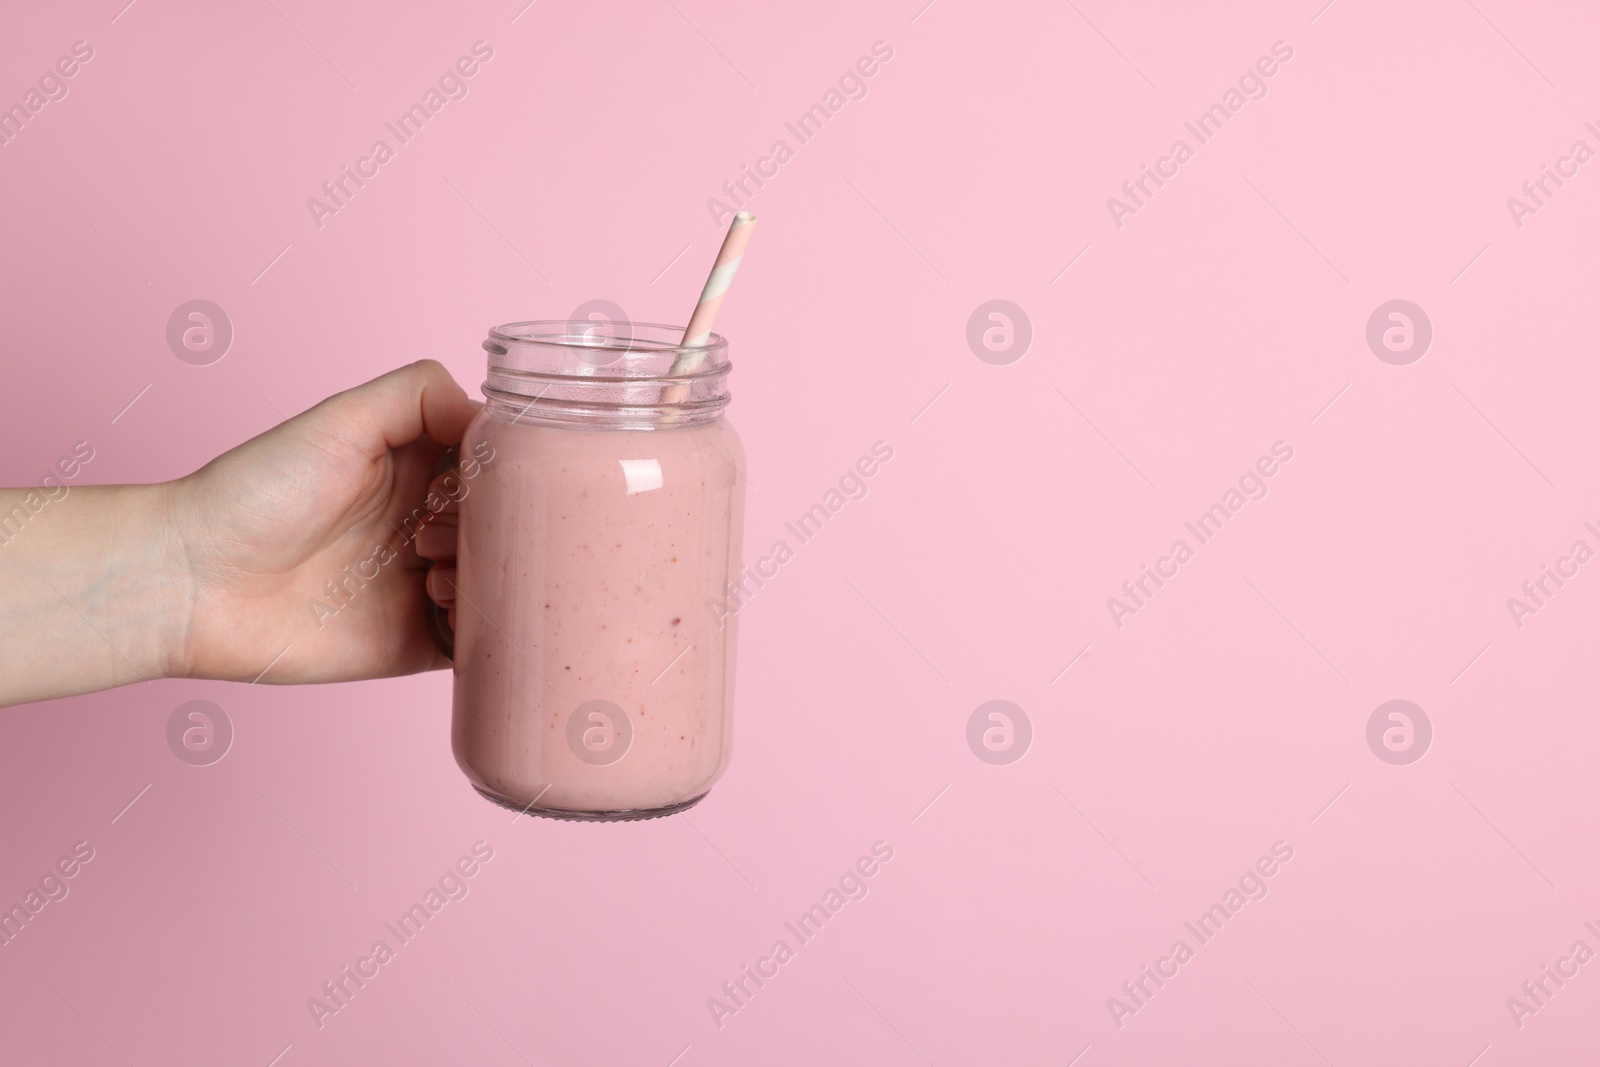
{"x":437,"y":542}
{"x":447,"y":490}
{"x":442,"y":585}
{"x":398,"y":408}
{"x":437,"y":539}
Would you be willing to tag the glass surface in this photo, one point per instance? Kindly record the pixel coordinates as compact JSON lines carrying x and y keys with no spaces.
{"x":598,"y":535}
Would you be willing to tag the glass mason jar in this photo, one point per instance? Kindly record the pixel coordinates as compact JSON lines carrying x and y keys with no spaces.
{"x":599,"y":534}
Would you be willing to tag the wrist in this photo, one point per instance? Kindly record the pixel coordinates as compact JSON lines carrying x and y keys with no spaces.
{"x":158,"y":550}
{"x":130,"y":580}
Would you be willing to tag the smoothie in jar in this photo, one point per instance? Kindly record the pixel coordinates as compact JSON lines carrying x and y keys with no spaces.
{"x":593,"y":651}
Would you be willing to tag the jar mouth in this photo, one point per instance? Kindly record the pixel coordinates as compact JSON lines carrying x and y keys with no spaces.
{"x":632,"y":375}
{"x":610,"y":351}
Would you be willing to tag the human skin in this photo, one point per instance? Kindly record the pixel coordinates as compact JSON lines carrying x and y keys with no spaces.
{"x":215,"y":575}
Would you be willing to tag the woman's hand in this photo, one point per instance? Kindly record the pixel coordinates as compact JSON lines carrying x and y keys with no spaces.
{"x":298,"y":556}
{"x":303,"y":542}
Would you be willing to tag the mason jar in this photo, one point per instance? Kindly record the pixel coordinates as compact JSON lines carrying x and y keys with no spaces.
{"x":598,"y":539}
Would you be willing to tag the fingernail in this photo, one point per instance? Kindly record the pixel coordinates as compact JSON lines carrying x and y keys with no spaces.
{"x":441,"y":585}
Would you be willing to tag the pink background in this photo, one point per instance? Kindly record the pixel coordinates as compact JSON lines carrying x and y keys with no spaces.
{"x":1225,"y":716}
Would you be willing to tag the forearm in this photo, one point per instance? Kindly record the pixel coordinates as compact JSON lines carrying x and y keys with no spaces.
{"x":92,"y":590}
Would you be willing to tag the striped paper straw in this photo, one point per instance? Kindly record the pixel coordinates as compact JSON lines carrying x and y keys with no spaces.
{"x":698,"y":333}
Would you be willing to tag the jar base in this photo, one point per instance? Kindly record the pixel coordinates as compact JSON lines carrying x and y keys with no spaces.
{"x":619,"y":815}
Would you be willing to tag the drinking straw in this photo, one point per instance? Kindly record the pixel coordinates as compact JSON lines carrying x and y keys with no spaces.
{"x":698,"y":333}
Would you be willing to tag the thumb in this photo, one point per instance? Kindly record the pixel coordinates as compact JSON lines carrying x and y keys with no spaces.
{"x":398,"y":408}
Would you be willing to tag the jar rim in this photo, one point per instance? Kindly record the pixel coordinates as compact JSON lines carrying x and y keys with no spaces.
{"x":614,"y":372}
{"x":558,"y":334}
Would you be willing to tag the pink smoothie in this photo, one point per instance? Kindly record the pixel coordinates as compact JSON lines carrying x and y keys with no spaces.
{"x":592,"y":673}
